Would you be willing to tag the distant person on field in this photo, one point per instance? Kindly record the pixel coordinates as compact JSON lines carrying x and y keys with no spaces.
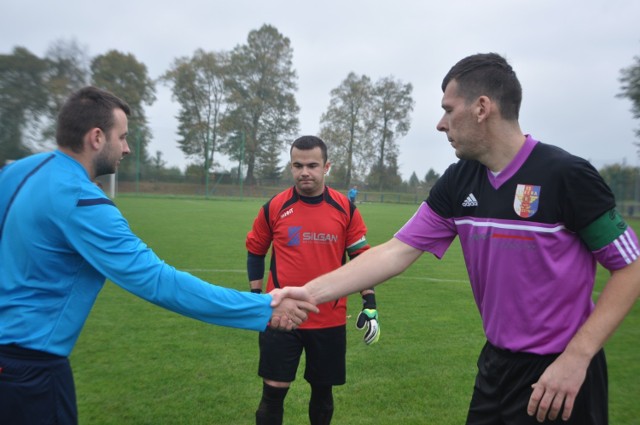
{"x":533,"y":222}
{"x":60,"y":237}
{"x":353,"y":193}
{"x":311,"y":230}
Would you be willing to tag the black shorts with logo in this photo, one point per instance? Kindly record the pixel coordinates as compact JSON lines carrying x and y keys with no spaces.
{"x":325,"y":354}
{"x":503,"y":388}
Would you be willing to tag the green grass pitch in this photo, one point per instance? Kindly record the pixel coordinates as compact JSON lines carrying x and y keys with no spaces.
{"x":138,"y":364}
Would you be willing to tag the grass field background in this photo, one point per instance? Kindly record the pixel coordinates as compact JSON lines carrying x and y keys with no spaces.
{"x":138,"y":364}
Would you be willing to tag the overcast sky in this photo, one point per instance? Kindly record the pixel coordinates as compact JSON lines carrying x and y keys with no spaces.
{"x":567,"y":54}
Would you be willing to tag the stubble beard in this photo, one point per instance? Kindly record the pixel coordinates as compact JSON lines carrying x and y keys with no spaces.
{"x":103,"y":164}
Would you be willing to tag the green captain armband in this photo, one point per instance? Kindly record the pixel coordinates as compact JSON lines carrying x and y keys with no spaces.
{"x":603,"y":230}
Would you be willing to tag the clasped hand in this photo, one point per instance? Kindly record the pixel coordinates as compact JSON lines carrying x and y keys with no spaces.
{"x":291,"y":306}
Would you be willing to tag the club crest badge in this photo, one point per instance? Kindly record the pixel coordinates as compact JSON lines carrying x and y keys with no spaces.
{"x":526,"y":200}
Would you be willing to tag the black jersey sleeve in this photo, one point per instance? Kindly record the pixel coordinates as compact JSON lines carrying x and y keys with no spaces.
{"x":587,"y":196}
{"x":439,"y":199}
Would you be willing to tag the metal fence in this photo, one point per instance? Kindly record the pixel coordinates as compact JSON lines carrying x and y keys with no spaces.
{"x":114,"y":186}
{"x":629,"y":207}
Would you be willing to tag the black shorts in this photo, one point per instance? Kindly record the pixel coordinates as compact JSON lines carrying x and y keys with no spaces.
{"x":503,"y":388}
{"x":35,"y":388}
{"x":325,"y":354}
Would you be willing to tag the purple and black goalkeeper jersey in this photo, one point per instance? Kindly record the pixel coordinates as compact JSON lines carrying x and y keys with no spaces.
{"x":531,"y":237}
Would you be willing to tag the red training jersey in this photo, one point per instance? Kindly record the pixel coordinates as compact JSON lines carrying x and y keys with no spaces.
{"x":308,"y":240}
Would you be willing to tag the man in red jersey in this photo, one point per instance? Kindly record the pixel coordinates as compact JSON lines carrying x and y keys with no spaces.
{"x":311,"y":229}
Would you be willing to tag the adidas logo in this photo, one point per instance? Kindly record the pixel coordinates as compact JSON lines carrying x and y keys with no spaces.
{"x":471,"y":201}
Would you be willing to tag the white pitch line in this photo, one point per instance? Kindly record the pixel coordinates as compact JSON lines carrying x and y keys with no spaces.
{"x":429,"y":279}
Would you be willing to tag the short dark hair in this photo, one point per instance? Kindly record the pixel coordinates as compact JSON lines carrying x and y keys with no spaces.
{"x":487,"y":74}
{"x":310,"y":142}
{"x":87,"y":108}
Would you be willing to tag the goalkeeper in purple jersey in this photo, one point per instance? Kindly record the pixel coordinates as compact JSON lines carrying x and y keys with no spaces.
{"x":533,"y":222}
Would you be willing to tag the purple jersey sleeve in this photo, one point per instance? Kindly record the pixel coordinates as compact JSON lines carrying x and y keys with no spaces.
{"x":428,"y":232}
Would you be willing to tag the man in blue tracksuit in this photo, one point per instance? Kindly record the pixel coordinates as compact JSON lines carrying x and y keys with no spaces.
{"x":353,"y":194}
{"x":60,"y":238}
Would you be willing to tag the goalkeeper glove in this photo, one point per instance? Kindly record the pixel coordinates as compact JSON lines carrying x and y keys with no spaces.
{"x":368,"y":318}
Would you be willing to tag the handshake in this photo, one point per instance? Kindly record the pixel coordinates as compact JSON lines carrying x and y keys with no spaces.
{"x":291,"y":306}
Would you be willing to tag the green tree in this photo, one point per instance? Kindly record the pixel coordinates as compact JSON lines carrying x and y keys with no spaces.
{"x":630,"y":80}
{"x":194,"y":173}
{"x":387,"y":175}
{"x":390,"y":120}
{"x":157,"y":162}
{"x":263,"y":112}
{"x":414,"y":181}
{"x":431,"y":177}
{"x":23,"y":98}
{"x":67,"y":71}
{"x":345,"y":126}
{"x":157,"y":170}
{"x":623,"y":181}
{"x":268,"y":164}
{"x":198,"y":86}
{"x":128,"y":79}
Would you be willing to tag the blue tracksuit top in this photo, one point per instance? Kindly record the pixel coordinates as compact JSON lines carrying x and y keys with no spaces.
{"x":60,"y":237}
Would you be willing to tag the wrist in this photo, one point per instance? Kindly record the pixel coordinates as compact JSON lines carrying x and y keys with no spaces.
{"x":579,"y":352}
{"x":369,"y":301}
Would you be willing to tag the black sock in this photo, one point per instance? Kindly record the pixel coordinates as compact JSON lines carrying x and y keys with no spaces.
{"x":271,"y":408}
{"x":321,"y":405}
